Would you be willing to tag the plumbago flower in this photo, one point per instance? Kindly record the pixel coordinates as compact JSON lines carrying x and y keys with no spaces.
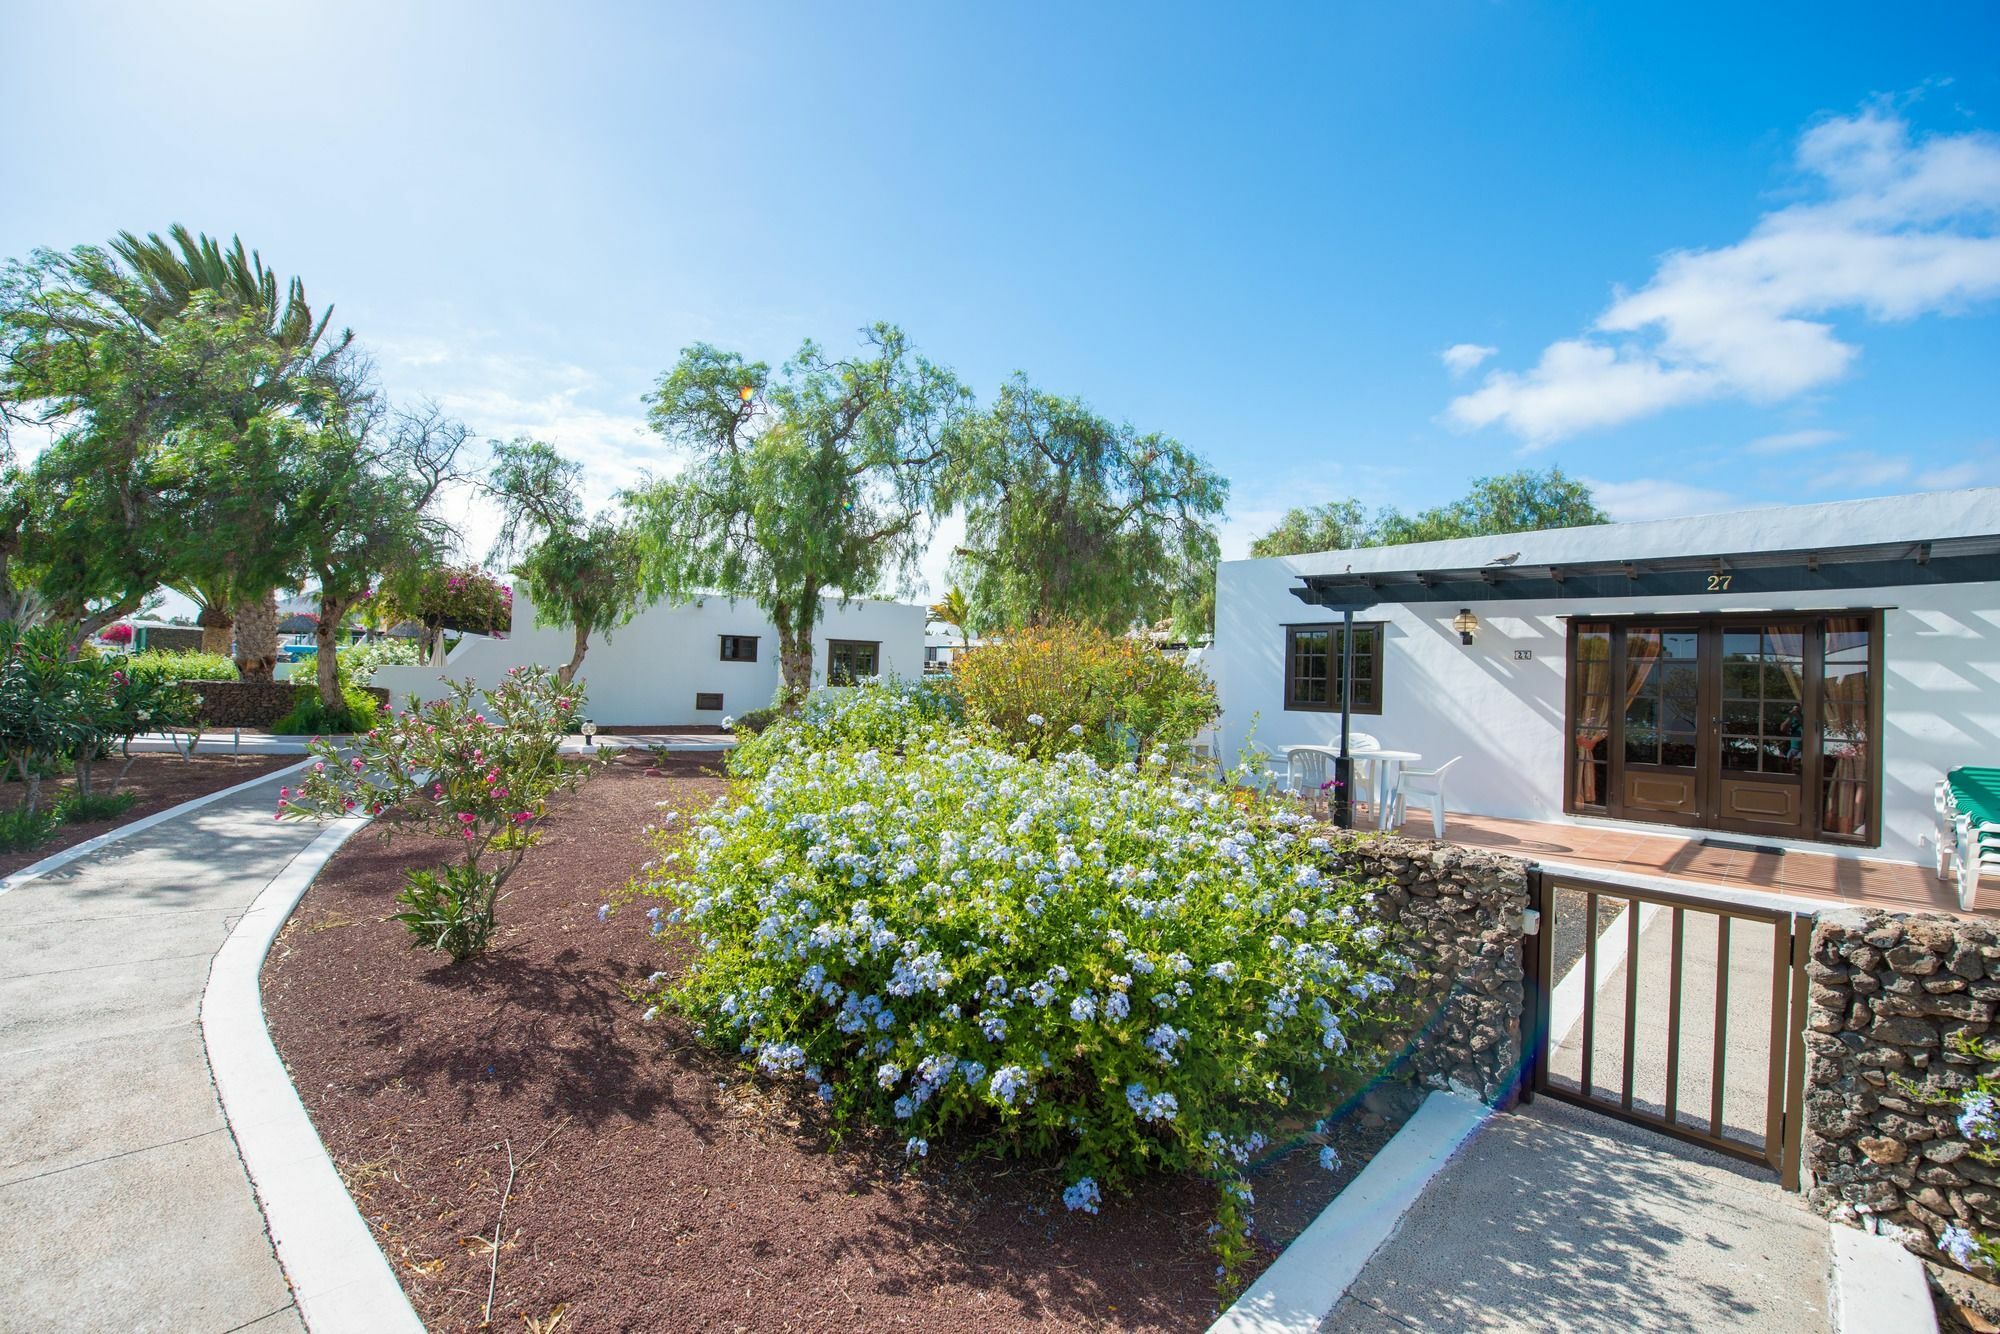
{"x":476,"y":769}
{"x":1117,"y":965}
{"x":1977,"y":1113}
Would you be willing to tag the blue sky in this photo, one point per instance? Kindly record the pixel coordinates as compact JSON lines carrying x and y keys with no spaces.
{"x":1721,"y":255}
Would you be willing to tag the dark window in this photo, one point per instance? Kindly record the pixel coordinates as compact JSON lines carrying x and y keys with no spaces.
{"x":705,"y":702}
{"x":848,"y":660}
{"x":1313,"y":663}
{"x":739,"y":648}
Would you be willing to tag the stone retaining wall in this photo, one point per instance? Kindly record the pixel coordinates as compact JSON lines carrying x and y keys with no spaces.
{"x":1890,"y":995}
{"x":251,"y":704}
{"x":1462,"y":910}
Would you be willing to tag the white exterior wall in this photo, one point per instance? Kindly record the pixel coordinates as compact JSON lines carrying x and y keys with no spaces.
{"x":1941,"y":654}
{"x":648,"y":671}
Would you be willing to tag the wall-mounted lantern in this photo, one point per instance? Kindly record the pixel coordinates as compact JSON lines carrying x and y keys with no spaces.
{"x":1465,"y":623}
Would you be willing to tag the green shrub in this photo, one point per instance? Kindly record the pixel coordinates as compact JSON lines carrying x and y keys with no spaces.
{"x":476,"y":772}
{"x":77,"y":806}
{"x":22,"y":830}
{"x":177,"y":665}
{"x":1060,"y":688}
{"x":359,"y":711}
{"x":1117,"y":965}
{"x":751,"y":721}
{"x":887,"y":713}
{"x":356,"y":663}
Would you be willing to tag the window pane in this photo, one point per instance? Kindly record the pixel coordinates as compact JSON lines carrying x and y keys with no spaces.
{"x":1677,"y":748}
{"x":1847,"y":765}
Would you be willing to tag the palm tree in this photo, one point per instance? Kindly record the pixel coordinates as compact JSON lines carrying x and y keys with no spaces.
{"x":308,"y":376}
{"x":951,"y":610}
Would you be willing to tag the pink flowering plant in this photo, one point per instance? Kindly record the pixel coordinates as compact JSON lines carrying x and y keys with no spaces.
{"x":476,"y":769}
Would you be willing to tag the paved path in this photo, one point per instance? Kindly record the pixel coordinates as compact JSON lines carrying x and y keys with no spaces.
{"x":123,"y":1204}
{"x":1555,"y":1218}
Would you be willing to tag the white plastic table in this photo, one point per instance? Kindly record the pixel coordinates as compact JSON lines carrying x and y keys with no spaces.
{"x":1387,"y":766}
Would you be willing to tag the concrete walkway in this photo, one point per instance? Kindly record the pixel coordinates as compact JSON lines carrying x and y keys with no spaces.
{"x":1558,"y":1218}
{"x":123,"y":1204}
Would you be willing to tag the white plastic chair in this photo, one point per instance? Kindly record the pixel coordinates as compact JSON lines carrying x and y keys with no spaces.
{"x":1305,"y":771}
{"x":1421,"y":787}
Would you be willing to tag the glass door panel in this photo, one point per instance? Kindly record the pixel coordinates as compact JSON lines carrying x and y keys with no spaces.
{"x":1760,"y":676}
{"x":1661,"y":722}
{"x":1847,"y":689}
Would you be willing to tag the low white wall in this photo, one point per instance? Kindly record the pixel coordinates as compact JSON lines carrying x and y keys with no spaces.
{"x":649,"y":671}
{"x":1941,"y":660}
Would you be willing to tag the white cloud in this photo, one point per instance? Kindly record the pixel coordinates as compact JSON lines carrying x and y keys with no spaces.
{"x":1658,"y":498}
{"x":1461,"y":358}
{"x":1861,"y":471}
{"x":1899,"y":227}
{"x":1954,"y":476}
{"x":1786,"y":442}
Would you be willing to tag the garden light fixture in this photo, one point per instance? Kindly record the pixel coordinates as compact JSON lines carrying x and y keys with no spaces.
{"x":1465,"y":623}
{"x":589,"y":733}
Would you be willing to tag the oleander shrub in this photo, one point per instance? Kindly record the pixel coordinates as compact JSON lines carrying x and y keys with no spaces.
{"x":1049,"y":690}
{"x":477,"y":769}
{"x":1116,"y":965}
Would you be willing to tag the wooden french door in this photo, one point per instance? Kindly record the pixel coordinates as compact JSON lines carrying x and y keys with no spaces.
{"x":1754,"y":724}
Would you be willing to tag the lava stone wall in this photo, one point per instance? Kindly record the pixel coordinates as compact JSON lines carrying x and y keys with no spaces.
{"x":1890,"y":994}
{"x":1461,"y":911}
{"x":252,"y":704}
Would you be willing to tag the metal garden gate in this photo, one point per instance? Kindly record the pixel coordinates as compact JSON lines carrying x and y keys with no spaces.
{"x":1644,"y":1052}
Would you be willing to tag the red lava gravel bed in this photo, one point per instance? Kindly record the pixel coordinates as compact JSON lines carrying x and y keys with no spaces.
{"x":661,"y":1188}
{"x":160,"y":780}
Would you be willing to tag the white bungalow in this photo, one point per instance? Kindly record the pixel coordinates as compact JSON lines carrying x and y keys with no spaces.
{"x":681,"y":664}
{"x":1798,"y":677}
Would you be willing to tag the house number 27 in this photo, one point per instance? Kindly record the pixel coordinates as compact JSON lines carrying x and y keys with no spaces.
{"x":1719,"y":583}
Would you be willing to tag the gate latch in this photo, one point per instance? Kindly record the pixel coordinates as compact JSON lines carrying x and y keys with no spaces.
{"x":1531,"y":921}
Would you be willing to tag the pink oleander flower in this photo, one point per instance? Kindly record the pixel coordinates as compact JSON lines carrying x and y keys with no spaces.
{"x":349,"y":804}
{"x":357,"y":764}
{"x":522,"y":817}
{"x":500,"y":794}
{"x":319,"y":766}
{"x":282,"y":793}
{"x":465,"y":817}
{"x":468,"y":835}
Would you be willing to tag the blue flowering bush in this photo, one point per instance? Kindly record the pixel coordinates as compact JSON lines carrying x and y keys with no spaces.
{"x":1113,"y":965}
{"x":1978,"y":1114}
{"x":879,"y":713}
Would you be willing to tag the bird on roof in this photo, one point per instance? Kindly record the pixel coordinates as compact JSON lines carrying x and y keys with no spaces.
{"x":1507,"y":559}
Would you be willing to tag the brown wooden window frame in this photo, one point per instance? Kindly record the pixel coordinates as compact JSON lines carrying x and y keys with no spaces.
{"x":701,"y":704}
{"x":1369,"y":657}
{"x":836,"y":676}
{"x":737,"y":642}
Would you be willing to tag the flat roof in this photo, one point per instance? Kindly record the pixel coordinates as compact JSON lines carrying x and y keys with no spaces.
{"x":1937,"y":537}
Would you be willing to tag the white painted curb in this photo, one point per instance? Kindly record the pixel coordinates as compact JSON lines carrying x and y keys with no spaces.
{"x":58,"y":860}
{"x":339,"y":1276}
{"x":1304,"y":1284}
{"x":1876,"y":1286}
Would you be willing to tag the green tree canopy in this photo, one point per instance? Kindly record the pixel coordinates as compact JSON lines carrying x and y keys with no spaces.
{"x":1515,"y":502}
{"x":582,"y":571}
{"x":177,"y":377}
{"x":365,"y":506}
{"x":823,"y":478}
{"x":1070,"y":517}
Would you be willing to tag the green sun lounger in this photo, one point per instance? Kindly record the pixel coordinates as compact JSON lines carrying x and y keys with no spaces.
{"x":1968,"y":836}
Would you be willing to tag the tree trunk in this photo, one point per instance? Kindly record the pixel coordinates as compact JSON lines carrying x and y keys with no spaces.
{"x":218,"y":630}
{"x":326,"y":635}
{"x":567,"y":672}
{"x":257,"y":638}
{"x":795,"y":650}
{"x":97,"y":620}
